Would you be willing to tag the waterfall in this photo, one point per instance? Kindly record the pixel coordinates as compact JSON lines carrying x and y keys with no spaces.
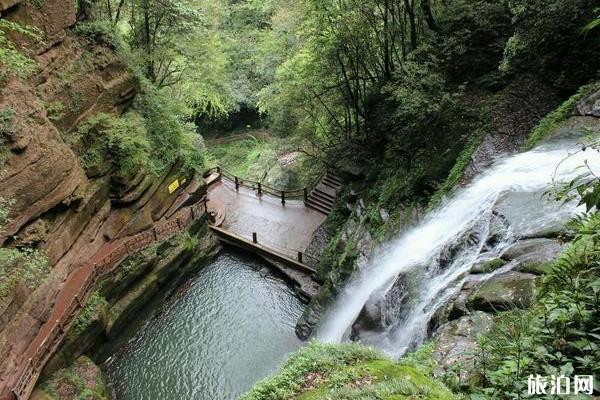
{"x":434,"y":258}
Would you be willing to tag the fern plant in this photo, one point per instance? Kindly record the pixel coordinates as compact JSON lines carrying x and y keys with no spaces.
{"x":12,"y":60}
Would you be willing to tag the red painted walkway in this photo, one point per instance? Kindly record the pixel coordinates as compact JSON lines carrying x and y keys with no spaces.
{"x":21,"y":380}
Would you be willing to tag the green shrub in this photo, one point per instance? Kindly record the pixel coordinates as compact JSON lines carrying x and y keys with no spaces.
{"x":548,"y":41}
{"x":122,"y":141}
{"x":7,"y":128}
{"x":12,"y":60}
{"x":348,"y":371}
{"x":171,"y":139}
{"x":101,"y":32}
{"x":27,"y":266}
{"x":55,"y":110}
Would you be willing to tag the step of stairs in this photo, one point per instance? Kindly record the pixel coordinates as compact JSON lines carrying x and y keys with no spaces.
{"x":331,"y":184}
{"x":333,"y":180}
{"x":328,"y":205}
{"x":322,"y":197}
{"x":317,"y":207}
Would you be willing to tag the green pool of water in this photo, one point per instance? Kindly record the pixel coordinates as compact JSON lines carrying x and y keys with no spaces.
{"x":228,"y":327}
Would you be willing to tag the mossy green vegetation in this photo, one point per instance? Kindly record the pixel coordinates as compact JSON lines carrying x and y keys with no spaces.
{"x":13,"y":61}
{"x":350,"y":371}
{"x":551,"y":122}
{"x":7,"y":130}
{"x":121,"y":141}
{"x":489,"y":266}
{"x":457,"y":171}
{"x":19,"y":266}
{"x":82,"y":380}
{"x":95,"y":307}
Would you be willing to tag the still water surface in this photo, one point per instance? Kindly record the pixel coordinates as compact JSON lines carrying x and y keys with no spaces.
{"x":231,"y":325}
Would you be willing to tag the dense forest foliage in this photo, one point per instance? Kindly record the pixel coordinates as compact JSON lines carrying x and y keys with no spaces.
{"x":349,"y":78}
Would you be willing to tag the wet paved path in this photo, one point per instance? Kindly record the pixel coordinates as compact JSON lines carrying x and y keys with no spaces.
{"x":287,"y":229}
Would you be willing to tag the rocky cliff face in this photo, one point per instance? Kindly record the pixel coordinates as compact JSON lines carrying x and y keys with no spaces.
{"x":54,"y":206}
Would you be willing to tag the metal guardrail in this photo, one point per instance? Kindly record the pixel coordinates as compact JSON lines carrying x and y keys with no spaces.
{"x":260,"y":188}
{"x":129,"y":246}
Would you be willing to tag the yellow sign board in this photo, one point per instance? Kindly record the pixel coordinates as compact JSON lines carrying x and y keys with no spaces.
{"x":174,"y":186}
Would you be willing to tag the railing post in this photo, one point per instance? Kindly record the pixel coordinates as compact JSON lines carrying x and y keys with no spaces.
{"x":259,"y":189}
{"x":254,"y":237}
{"x":192,"y":210}
{"x":237,"y":183}
{"x":154,"y":234}
{"x":178,"y":223}
{"x":305,"y":194}
{"x":300,"y":257}
{"x":282,"y":197}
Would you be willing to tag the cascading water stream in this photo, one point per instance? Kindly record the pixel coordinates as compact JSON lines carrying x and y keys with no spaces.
{"x":461,"y":224}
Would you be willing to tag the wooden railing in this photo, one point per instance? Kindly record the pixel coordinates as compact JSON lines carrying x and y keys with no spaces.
{"x":260,"y":188}
{"x":128,"y":246}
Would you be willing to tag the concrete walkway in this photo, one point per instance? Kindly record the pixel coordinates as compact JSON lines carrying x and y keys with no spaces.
{"x":287,"y":229}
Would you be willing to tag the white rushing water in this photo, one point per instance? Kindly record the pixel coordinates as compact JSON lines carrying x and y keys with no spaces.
{"x":417,"y":252}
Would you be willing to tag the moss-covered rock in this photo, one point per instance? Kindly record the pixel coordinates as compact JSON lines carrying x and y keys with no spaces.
{"x":456,"y":348}
{"x":503,"y":292}
{"x":485,"y":267}
{"x":121,"y":312}
{"x":83,"y":380}
{"x":321,"y":372}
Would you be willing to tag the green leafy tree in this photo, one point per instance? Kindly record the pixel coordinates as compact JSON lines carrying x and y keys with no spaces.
{"x":548,"y":41}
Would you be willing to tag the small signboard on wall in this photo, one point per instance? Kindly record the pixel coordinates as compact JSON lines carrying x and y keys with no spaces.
{"x":174,"y":186}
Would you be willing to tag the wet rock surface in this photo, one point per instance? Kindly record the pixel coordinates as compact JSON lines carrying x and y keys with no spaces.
{"x":503,"y":292}
{"x":528,"y":217}
{"x":534,"y":255}
{"x":590,"y":106}
{"x":456,"y":346}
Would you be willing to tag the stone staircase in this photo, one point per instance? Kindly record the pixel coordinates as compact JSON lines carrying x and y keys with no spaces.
{"x":322,"y":197}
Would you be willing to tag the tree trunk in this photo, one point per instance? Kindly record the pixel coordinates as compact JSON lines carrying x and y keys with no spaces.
{"x":429,"y":18}
{"x":85,"y":10}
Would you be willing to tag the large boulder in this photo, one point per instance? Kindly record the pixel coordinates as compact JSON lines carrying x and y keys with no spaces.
{"x":456,"y":347}
{"x":590,"y":105}
{"x":503,"y":292}
{"x":534,"y":255}
{"x":528,"y":217}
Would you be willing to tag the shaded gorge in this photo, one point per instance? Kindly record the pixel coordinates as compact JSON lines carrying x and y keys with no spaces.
{"x":229,"y":326}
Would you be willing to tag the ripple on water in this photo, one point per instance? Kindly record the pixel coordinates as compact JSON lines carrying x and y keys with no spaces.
{"x":230,"y":328}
